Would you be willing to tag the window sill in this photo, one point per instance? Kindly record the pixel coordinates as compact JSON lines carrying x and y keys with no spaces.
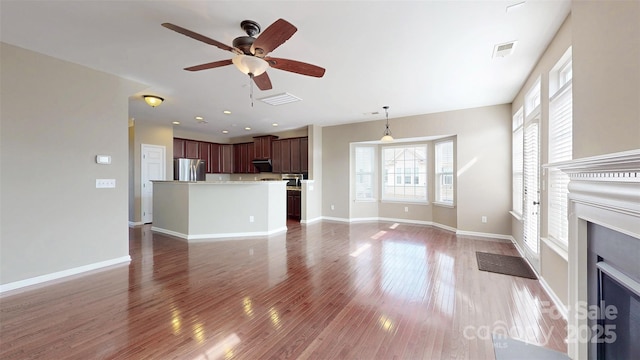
{"x":444,"y":204}
{"x":516,"y":215}
{"x":557,"y":247}
{"x":405,"y":202}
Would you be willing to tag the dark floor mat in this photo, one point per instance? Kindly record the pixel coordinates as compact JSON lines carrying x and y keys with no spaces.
{"x":504,"y":264}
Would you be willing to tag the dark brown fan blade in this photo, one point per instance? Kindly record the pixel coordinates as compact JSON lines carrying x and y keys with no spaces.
{"x":294,"y":66}
{"x":210,"y":65}
{"x":272,"y":37}
{"x":263,"y":81}
{"x":197,"y":36}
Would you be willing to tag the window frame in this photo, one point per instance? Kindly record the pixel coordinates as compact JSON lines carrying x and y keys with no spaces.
{"x":440,"y":177}
{"x":517,"y":163}
{"x":358,"y":174}
{"x":395,"y":166}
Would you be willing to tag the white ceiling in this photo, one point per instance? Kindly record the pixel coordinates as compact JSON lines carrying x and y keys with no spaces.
{"x":417,"y":57}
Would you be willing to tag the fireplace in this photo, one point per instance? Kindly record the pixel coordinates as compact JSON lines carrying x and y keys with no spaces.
{"x":613,"y":293}
{"x":604,"y":256}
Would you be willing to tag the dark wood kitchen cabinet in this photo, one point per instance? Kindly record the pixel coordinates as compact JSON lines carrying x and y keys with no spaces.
{"x":294,"y":145}
{"x":276,"y":156}
{"x":204,"y":154}
{"x":294,"y":204}
{"x":226,"y":158}
{"x":192,"y":149}
{"x":263,"y":146}
{"x":214,"y":164}
{"x":243,"y":155}
{"x":285,"y":155}
{"x":178,"y":148}
{"x":304,"y":154}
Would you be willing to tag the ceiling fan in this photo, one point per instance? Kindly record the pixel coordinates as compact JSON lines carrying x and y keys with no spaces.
{"x":251,"y":52}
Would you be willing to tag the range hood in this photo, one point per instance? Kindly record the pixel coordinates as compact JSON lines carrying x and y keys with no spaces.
{"x":263,"y":165}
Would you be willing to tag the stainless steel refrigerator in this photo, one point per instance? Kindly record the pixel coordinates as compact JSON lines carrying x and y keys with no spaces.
{"x":189,"y":169}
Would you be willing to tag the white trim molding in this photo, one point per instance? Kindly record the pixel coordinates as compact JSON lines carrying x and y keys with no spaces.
{"x":216,"y":237}
{"x":64,"y":273}
{"x":604,"y":190}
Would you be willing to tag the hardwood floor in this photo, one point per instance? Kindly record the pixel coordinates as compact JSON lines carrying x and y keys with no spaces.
{"x":321,"y":291}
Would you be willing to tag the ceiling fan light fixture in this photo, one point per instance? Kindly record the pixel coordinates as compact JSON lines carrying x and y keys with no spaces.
{"x":386,"y":136}
{"x":153,"y":100}
{"x":250,"y":64}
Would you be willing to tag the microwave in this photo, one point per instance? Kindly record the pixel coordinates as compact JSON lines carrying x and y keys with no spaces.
{"x":292,"y":180}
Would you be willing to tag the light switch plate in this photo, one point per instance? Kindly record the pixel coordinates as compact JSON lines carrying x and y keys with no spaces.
{"x":105,"y":183}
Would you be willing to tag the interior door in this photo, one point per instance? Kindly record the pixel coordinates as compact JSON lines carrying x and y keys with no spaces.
{"x":152,"y":168}
{"x":531,"y":213}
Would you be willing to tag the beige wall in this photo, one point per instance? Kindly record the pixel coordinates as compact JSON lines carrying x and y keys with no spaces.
{"x":483,"y":167}
{"x":606,"y":68}
{"x":56,"y":117}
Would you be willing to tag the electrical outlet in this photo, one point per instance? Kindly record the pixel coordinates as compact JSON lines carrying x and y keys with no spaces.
{"x":406,"y":209}
{"x":251,"y":219}
{"x":105,"y":183}
{"x":333,"y":207}
{"x":484,"y":219}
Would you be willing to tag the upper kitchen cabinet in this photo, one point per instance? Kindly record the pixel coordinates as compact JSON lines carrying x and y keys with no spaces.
{"x":205,"y":154}
{"x":304,"y":154}
{"x":243,"y":154}
{"x":226,"y":158}
{"x":178,"y":148}
{"x":290,"y":155}
{"x":263,"y":146}
{"x":192,"y":149}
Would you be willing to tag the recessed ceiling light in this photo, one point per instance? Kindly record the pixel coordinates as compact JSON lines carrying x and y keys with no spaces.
{"x":247,"y":128}
{"x":274,"y":124}
{"x":176,"y":122}
{"x":199,"y":118}
{"x":225,"y":131}
{"x":227,"y":112}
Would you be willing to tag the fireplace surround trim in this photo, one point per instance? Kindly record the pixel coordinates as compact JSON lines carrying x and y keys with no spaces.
{"x":605,"y":190}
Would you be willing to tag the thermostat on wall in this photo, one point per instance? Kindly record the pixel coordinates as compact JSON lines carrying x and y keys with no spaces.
{"x":103,"y":159}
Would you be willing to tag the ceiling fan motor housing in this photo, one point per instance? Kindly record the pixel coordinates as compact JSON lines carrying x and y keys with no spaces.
{"x":244,"y":44}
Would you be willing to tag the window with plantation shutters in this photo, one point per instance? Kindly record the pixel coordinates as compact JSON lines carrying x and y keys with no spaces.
{"x":364,"y":173}
{"x":531,"y":181}
{"x":516,"y":161}
{"x":560,"y":149}
{"x":444,"y":172}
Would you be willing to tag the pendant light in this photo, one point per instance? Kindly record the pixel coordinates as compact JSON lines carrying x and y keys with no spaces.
{"x":386,"y":138}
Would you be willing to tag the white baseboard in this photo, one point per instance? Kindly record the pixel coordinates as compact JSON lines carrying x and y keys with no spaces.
{"x":217,"y":237}
{"x":64,"y":273}
{"x":484,"y":235}
{"x":311,"y":221}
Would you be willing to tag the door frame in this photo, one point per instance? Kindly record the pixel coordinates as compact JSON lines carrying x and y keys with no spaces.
{"x":143,"y":174}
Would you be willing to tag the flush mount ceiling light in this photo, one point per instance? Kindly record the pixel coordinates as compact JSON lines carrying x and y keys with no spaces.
{"x":153,"y":100}
{"x":387,"y":133}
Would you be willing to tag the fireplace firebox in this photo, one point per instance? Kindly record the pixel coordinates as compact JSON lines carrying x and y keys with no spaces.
{"x":613,"y":285}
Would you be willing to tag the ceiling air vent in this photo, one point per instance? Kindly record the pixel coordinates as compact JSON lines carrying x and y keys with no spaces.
{"x":280,"y":99}
{"x":502,"y":50}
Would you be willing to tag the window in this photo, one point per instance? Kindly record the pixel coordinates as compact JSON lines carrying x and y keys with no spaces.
{"x":560,"y":147}
{"x":364,"y":173}
{"x":532,"y":99}
{"x":405,"y":169}
{"x":516,"y":161}
{"x":444,"y":172}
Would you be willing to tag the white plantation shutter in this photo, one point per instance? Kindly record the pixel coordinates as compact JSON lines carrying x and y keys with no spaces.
{"x":531,"y":181}
{"x":560,"y":149}
{"x":444,"y":172}
{"x":364,"y":172}
{"x":516,"y":161}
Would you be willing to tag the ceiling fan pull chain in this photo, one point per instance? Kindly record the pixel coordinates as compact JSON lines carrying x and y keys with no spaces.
{"x":251,"y":88}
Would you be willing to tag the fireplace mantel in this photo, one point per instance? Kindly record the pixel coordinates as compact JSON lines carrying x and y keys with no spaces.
{"x":604,"y":190}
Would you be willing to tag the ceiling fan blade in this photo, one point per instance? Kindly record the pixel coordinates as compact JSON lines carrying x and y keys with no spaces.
{"x":272,"y":37}
{"x":210,"y":65}
{"x":294,"y":66}
{"x":263,"y":81}
{"x":197,"y":36}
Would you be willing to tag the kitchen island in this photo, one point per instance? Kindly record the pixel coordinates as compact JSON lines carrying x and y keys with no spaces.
{"x":198,"y":211}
